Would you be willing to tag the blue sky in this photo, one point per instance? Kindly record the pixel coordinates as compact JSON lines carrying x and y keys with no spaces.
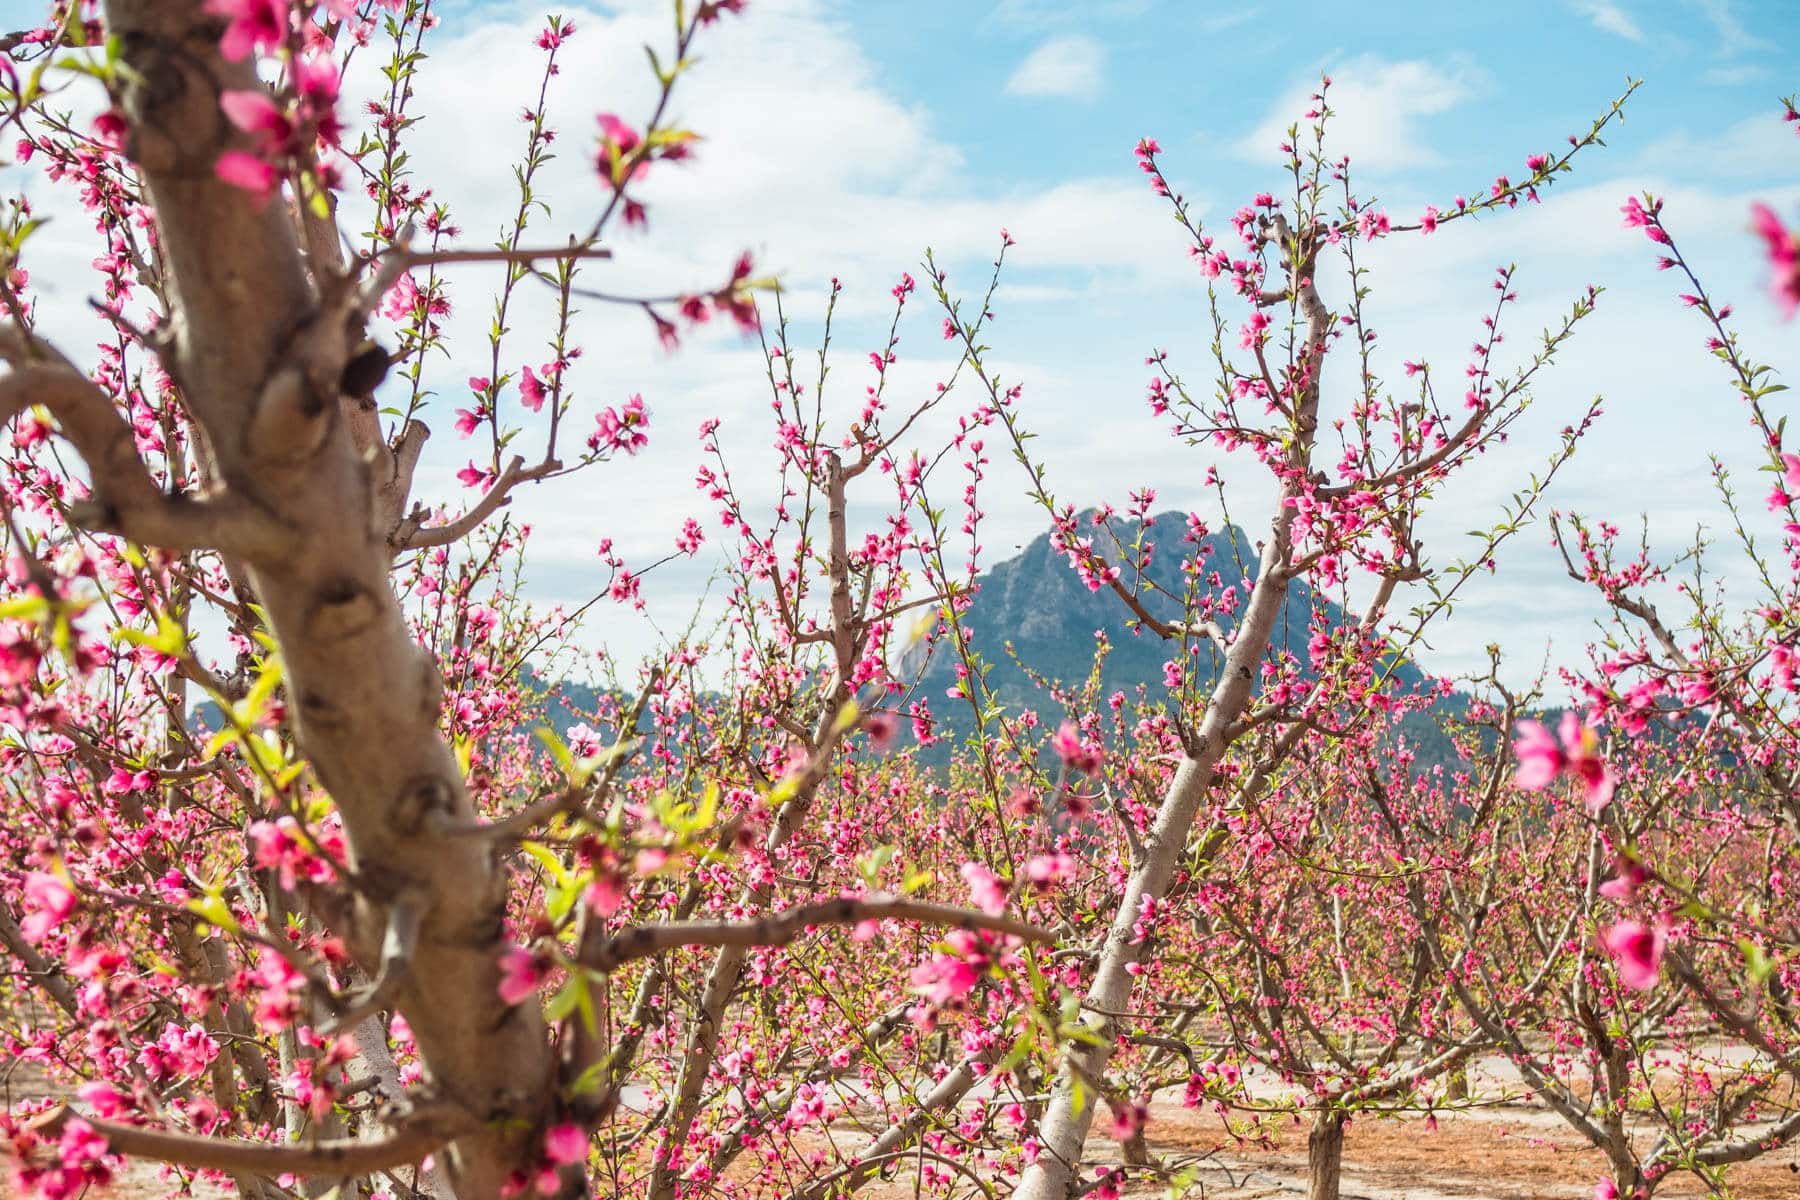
{"x":844,"y":138}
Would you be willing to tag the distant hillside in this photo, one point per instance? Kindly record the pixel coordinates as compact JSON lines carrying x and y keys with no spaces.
{"x":1041,"y":607}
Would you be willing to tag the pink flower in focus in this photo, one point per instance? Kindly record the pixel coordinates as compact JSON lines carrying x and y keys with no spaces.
{"x":948,"y":977}
{"x":282,"y":845}
{"x":531,"y":390}
{"x":621,"y":429}
{"x":1637,"y":952}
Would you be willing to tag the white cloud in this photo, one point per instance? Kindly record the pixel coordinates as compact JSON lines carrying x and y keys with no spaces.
{"x":1037,"y":14}
{"x":1072,"y":67}
{"x":1743,"y":150}
{"x":1378,"y":107}
{"x":1610,"y":18}
{"x":1734,"y":37}
{"x":1734,"y":75}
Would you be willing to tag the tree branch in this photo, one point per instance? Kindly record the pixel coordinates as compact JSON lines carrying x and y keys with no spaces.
{"x":422,"y":1133}
{"x":780,"y":928}
{"x":125,"y":499}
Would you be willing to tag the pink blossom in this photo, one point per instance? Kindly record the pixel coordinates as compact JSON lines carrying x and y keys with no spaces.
{"x":1637,"y":952}
{"x":1783,"y":248}
{"x":1790,"y":472}
{"x":51,"y":901}
{"x":1070,"y":749}
{"x":1541,"y":759}
{"x":251,"y":25}
{"x":947,"y":977}
{"x":521,"y":972}
{"x":986,"y":888}
{"x":103,"y":1098}
{"x":531,"y":390}
{"x":1047,"y":870}
{"x":1628,"y":876}
{"x":1128,"y":1119}
{"x":244,"y":170}
{"x":280,"y":845}
{"x":883,"y":730}
{"x":617,"y":134}
{"x":565,"y":1143}
{"x":1639,"y":217}
{"x":255,"y":112}
{"x":621,"y":429}
{"x":606,"y":892}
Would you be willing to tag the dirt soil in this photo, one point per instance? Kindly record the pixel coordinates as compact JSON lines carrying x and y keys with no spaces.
{"x":1510,"y":1152}
{"x":1504,"y":1152}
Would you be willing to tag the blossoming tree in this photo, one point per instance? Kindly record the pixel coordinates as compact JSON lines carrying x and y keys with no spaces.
{"x":325,"y":906}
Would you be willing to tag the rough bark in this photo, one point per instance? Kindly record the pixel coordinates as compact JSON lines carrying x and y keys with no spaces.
{"x":1325,"y":1154}
{"x":257,"y":351}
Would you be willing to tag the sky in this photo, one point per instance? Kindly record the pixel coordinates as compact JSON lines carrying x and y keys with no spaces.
{"x":843,"y":139}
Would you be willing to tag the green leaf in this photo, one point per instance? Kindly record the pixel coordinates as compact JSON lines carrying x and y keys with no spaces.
{"x":212,"y":909}
{"x":547,"y":859}
{"x":24,"y":608}
{"x":576,"y":773}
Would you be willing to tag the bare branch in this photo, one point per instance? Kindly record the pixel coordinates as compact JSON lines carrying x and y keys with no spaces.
{"x":411,"y":535}
{"x":422,"y":1133}
{"x":780,"y":928}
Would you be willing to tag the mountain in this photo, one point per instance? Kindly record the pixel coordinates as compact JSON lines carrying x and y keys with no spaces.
{"x":1041,"y":608}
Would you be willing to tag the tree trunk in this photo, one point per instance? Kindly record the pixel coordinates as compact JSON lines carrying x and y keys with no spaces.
{"x":1325,"y":1154}
{"x":258,"y":351}
{"x":1064,"y":1128}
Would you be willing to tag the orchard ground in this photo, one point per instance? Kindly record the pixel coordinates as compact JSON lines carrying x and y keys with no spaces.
{"x":1504,"y":1147}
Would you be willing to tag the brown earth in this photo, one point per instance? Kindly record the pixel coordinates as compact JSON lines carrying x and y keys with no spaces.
{"x":1503,"y":1152}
